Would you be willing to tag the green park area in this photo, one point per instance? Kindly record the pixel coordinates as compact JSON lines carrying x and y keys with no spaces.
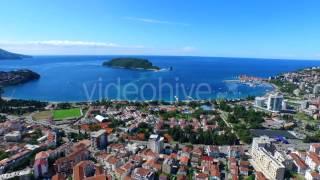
{"x":63,"y":114}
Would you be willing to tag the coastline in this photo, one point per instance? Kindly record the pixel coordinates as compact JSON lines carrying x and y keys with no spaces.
{"x":274,"y":89}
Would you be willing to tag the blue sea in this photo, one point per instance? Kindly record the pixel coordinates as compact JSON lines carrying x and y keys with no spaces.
{"x":83,"y":78}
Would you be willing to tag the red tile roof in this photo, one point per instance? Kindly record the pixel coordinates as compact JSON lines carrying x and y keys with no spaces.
{"x":214,"y":171}
{"x":298,"y":161}
{"x":184,"y":160}
{"x":314,"y":157}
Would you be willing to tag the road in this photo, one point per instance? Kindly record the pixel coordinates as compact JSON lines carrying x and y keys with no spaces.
{"x":224,"y":117}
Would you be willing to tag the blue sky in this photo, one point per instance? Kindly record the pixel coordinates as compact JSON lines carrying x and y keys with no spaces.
{"x":236,"y":28}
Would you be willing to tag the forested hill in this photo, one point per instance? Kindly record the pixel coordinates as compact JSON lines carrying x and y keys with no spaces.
{"x":9,"y":55}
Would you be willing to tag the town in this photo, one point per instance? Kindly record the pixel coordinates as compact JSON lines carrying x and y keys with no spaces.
{"x":272,"y":137}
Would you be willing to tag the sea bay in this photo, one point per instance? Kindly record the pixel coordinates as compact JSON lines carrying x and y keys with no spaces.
{"x":83,"y":78}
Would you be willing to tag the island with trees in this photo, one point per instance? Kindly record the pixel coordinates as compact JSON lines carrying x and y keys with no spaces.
{"x":131,"y":63}
{"x":9,"y":55}
{"x":17,"y":77}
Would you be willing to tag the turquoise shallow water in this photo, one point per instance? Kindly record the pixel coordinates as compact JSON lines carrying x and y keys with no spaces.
{"x":82,"y":78}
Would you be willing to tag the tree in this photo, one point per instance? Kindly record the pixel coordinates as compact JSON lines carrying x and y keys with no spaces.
{"x":64,"y":106}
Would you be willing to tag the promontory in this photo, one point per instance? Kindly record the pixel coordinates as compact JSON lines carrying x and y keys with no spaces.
{"x":17,"y":77}
{"x":9,"y":55}
{"x":131,"y":63}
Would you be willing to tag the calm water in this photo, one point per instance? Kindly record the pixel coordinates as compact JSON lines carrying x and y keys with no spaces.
{"x":82,"y":78}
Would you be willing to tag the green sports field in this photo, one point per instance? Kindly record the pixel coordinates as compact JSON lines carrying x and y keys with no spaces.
{"x":62,"y":114}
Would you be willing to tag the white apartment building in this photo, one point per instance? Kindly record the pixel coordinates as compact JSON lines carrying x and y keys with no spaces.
{"x":266,"y":159}
{"x":99,"y":139}
{"x":275,"y":102}
{"x":260,"y":101}
{"x":156,"y":143}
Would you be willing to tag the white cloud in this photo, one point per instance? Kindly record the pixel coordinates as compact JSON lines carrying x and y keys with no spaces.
{"x":155,"y":21}
{"x":68,"y":47}
{"x":188,"y":49}
{"x":62,"y":43}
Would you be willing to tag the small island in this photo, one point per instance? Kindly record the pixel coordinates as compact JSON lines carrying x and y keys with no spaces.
{"x":131,"y":63}
{"x":17,"y":77}
{"x":9,"y":55}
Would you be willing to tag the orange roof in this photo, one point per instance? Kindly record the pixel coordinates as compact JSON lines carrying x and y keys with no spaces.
{"x":314,"y":157}
{"x":184,"y":160}
{"x":214,"y":171}
{"x":142,"y":171}
{"x":127,"y":178}
{"x":58,"y":177}
{"x":181,"y":177}
{"x":316,"y":145}
{"x":120,"y":171}
{"x":140,"y":136}
{"x":127,"y":166}
{"x":109,"y":130}
{"x":112,"y":160}
{"x":244,"y":163}
{"x":298,"y":161}
{"x":85,"y":127}
{"x":42,"y":155}
{"x":99,"y":170}
{"x":260,"y":176}
{"x":168,"y":137}
{"x":202,"y":176}
{"x":99,"y":177}
{"x":235,"y":177}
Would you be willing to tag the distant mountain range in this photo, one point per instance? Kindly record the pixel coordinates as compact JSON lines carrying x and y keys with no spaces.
{"x":9,"y":55}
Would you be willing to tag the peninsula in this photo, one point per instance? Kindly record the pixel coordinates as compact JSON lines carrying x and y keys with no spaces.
{"x":9,"y":55}
{"x":131,"y":63}
{"x":17,"y":77}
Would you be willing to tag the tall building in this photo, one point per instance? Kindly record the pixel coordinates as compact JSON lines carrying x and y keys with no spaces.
{"x":284,"y":105}
{"x":275,"y":102}
{"x":259,"y":101}
{"x":156,"y":143}
{"x":41,"y":164}
{"x":99,"y":139}
{"x":266,"y":159}
{"x":316,"y":89}
{"x":304,"y":105}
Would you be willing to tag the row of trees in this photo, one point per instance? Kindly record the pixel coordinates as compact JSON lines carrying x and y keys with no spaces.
{"x":187,"y":135}
{"x":19,"y":107}
{"x":165,"y":115}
